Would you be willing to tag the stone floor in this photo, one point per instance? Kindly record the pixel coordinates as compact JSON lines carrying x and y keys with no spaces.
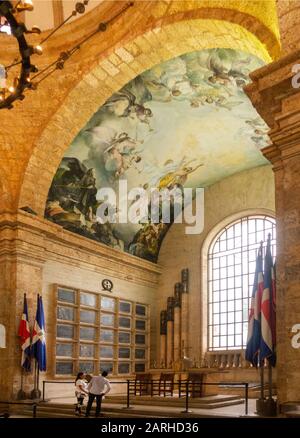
{"x":228,"y":411}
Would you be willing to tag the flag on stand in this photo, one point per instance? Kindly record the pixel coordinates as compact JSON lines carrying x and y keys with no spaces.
{"x":254,"y":325}
{"x":38,"y":336}
{"x":24,"y":334}
{"x":268,"y":310}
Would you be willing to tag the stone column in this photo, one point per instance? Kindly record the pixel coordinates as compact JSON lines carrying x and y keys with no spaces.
{"x":177,"y":323}
{"x":8,"y":312}
{"x":185,"y":312}
{"x":289,"y":24}
{"x":21,"y":269}
{"x":163,"y":338}
{"x":278,"y":102}
{"x":170,"y":332}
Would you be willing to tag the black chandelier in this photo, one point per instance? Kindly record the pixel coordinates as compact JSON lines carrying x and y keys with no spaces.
{"x":30,"y":75}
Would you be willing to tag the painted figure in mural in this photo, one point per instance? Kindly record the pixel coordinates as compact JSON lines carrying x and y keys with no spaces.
{"x":172,"y":174}
{"x":124,"y":104}
{"x":177,"y":178}
{"x":72,"y":202}
{"x":147,"y":241}
{"x":74,"y":188}
{"x":88,"y":202}
{"x":105,"y":234}
{"x":64,"y":192}
{"x":121,"y":155}
{"x":257,"y":130}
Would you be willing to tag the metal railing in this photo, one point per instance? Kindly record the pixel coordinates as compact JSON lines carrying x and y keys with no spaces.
{"x":186,"y":389}
{"x":45,"y":382}
{"x":5,"y":412}
{"x":190,"y":388}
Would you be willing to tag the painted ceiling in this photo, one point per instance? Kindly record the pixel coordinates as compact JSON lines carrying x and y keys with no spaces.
{"x":186,"y":121}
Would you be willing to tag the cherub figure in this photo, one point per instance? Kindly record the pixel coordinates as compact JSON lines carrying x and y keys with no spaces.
{"x":121,"y":155}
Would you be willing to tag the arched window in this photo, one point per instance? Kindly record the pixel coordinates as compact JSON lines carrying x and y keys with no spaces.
{"x":231,"y":267}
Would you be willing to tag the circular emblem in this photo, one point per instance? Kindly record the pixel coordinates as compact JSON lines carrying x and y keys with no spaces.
{"x":107,"y":284}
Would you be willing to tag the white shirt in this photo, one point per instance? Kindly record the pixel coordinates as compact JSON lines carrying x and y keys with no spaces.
{"x":98,"y":384}
{"x":81,"y":383}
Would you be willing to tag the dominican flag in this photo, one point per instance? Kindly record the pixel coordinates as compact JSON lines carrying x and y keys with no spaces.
{"x":268,"y":310}
{"x":24,"y":334}
{"x":254,"y":325}
{"x":38,"y":336}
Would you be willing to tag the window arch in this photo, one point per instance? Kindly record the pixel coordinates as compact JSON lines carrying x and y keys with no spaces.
{"x":231,"y":267}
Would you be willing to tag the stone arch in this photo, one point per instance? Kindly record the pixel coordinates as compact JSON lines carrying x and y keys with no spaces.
{"x":107,"y":76}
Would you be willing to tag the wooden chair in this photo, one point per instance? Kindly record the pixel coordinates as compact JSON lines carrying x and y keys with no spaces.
{"x":195,"y":385}
{"x":142,"y":384}
{"x":166,"y":384}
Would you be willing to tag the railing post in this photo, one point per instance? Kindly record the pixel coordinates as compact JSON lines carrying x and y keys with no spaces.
{"x":187,"y":411}
{"x":34,"y":410}
{"x":151,"y":386}
{"x":128,"y":394}
{"x":128,"y":382}
{"x":246,"y":397}
{"x":44,"y":384}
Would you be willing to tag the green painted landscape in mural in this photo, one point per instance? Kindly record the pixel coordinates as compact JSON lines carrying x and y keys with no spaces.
{"x":184,"y":123}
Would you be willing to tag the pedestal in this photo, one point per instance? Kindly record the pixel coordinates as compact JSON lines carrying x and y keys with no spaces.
{"x":266,"y":407}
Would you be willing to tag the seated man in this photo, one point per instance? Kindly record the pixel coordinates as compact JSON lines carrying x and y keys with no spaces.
{"x":96,"y":388}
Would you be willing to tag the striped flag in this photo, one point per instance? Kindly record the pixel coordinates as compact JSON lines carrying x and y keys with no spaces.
{"x":38,"y":336}
{"x":24,"y":334}
{"x":254,"y":325}
{"x":268,"y":310}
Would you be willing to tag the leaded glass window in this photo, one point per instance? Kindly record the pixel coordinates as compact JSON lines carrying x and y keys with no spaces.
{"x":231,"y":268}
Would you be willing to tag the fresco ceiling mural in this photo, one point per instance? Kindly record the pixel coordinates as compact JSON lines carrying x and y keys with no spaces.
{"x":185,"y":123}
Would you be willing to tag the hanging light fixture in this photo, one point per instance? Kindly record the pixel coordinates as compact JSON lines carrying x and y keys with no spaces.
{"x":30,"y":75}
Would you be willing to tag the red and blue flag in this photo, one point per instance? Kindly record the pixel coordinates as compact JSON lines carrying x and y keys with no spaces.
{"x":38,"y":336}
{"x":24,"y":334}
{"x":254,"y":325}
{"x":268,"y":310}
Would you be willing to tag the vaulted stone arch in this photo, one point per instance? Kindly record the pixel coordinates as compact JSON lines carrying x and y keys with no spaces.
{"x":112,"y":72}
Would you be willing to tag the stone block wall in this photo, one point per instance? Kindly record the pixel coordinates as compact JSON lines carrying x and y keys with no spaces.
{"x":224,"y":202}
{"x":34,"y":256}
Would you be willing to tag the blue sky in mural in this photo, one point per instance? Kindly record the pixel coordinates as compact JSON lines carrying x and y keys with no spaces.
{"x":186,"y":121}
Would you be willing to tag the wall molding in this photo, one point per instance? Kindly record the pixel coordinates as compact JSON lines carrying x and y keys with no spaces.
{"x":33,"y":239}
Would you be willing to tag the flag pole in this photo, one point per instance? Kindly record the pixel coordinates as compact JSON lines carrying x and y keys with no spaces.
{"x":21,"y":393}
{"x":262,"y":381}
{"x":38,"y":382}
{"x":261,"y":400}
{"x":35,"y":392}
{"x":270,"y":381}
{"x":271,"y":403}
